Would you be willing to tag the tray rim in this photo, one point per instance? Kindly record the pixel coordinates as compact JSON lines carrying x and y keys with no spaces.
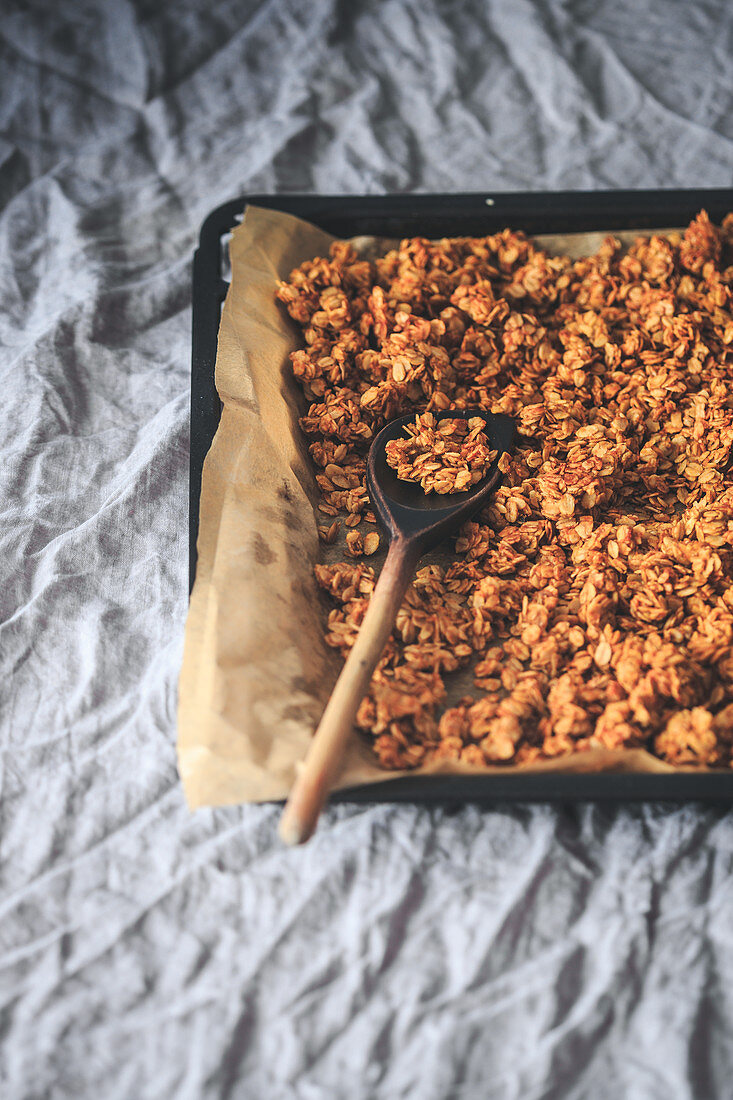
{"x":472,"y":212}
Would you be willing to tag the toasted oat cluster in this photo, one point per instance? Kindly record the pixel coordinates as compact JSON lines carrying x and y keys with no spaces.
{"x":593,"y":598}
{"x":448,"y":455}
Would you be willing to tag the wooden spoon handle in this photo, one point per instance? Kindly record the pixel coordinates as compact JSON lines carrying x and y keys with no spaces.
{"x":322,"y":761}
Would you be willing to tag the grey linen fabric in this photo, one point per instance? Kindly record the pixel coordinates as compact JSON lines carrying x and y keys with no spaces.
{"x":528,"y":953}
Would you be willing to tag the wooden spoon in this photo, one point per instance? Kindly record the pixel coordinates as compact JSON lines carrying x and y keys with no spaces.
{"x":414,"y":521}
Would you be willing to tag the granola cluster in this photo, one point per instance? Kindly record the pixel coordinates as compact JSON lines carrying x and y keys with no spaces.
{"x":593,"y":597}
{"x":445,"y":455}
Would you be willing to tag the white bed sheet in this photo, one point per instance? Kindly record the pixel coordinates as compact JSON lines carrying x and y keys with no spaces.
{"x":522,"y":954}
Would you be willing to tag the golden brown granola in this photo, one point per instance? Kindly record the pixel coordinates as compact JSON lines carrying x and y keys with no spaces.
{"x":593,"y":598}
{"x":446,"y":455}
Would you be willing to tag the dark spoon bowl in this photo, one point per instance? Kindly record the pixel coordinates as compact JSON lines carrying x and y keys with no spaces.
{"x":424,"y":519}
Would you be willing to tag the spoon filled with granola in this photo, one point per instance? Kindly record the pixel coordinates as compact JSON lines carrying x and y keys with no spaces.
{"x":426,"y":475}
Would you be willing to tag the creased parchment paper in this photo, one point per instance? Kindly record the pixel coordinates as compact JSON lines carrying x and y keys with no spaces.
{"x":256,"y":670}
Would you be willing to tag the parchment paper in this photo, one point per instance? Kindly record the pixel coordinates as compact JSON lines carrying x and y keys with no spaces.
{"x":256,"y":670}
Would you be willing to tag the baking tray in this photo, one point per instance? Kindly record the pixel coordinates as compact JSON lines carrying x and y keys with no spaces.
{"x":473,"y":214}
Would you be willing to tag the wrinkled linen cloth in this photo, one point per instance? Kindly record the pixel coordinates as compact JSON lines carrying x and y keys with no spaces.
{"x":526,"y":953}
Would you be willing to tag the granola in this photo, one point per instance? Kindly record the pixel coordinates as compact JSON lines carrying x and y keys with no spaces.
{"x":593,"y":597}
{"x":446,"y":455}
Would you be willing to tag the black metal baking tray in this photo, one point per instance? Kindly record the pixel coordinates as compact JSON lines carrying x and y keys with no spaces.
{"x":440,"y":216}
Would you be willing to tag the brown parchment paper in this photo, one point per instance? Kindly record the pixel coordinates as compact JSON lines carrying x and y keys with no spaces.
{"x":256,"y":670}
